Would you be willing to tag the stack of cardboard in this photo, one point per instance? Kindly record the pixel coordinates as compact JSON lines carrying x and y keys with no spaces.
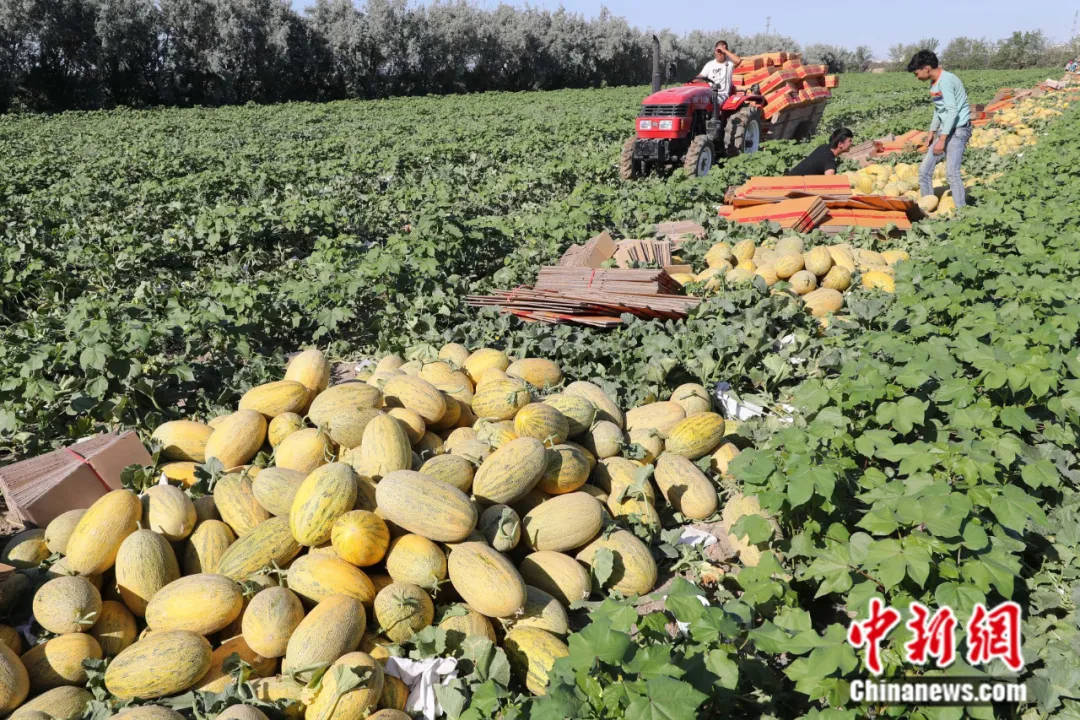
{"x":802,"y":214}
{"x":580,"y":290}
{"x":784,"y":81}
{"x":912,"y":140}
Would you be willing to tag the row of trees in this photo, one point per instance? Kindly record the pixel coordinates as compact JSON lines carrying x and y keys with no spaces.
{"x":1019,"y":50}
{"x":66,"y":54}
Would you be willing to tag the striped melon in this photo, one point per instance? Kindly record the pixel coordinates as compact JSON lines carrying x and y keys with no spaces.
{"x":276,"y":398}
{"x":787,"y":264}
{"x":183,"y":439}
{"x":648,"y":440}
{"x":270,"y":619}
{"x":543,"y":611}
{"x":275,"y":487}
{"x":269,"y":543}
{"x":338,"y":398}
{"x":385,"y":447}
{"x":216,"y":679}
{"x":26,"y":549}
{"x":500,"y":399}
{"x":454,"y":353}
{"x":282,"y":427}
{"x":695,"y":436}
{"x":660,"y":416}
{"x":580,"y":413}
{"x":429,"y":446}
{"x":60,"y":568}
{"x":818,"y":260}
{"x":145,"y":564}
{"x":501,"y":527}
{"x":115,"y":628}
{"x":360,"y":537}
{"x":869,"y":259}
{"x":14,"y":680}
{"x":606,"y":408}
{"x":346,"y":427}
{"x":169,"y":511}
{"x":416,"y":394}
{"x":459,"y":437}
{"x":338,"y":701}
{"x":722,"y":457}
{"x":685,"y":487}
{"x":452,"y":469}
{"x":823,"y":301}
{"x":203,"y":604}
{"x":539,"y":372}
{"x":878,"y":280}
{"x":59,"y":661}
{"x":411,"y":422}
{"x":241,"y":712}
{"x":237,"y":505}
{"x":803,"y":282}
{"x":486,"y":579}
{"x":67,"y":604}
{"x":618,"y":475}
{"x":94,"y":542}
{"x":634,"y":570}
{"x":484,"y":359}
{"x":532,"y":653}
{"x":790,"y":244}
{"x":743,"y":250}
{"x":451,"y":417}
{"x":326,"y":494}
{"x":605,"y":439}
{"x":563,"y":522}
{"x":162,"y":663}
{"x":838,"y":278}
{"x":495,"y":433}
{"x":304,"y":450}
{"x":470,"y":624}
{"x":719,"y":253}
{"x":237,"y":439}
{"x":693,"y":398}
{"x":395,"y":695}
{"x":311,"y":369}
{"x":60,"y":528}
{"x":489,"y":375}
{"x":842,"y":256}
{"x":318,"y":576}
{"x":62,"y":703}
{"x":637,"y":505}
{"x":452,"y":382}
{"x":414,"y":559}
{"x":543,"y":422}
{"x":206,"y":546}
{"x":511,"y":471}
{"x":403,"y":609}
{"x":426,"y":506}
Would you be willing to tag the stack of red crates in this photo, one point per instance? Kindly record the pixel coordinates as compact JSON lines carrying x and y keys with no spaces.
{"x":784,"y":80}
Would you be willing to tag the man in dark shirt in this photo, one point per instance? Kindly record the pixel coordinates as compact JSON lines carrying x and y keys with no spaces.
{"x":823,"y":160}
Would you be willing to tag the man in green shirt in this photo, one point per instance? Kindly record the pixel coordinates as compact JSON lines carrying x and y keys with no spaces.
{"x":950,"y":130}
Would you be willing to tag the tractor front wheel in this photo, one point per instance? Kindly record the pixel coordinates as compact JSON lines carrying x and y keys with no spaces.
{"x":627,"y":169}
{"x":743,"y":132}
{"x":699,"y":157}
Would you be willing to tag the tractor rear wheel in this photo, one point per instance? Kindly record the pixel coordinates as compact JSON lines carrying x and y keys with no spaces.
{"x":627,"y":170}
{"x":743,"y":132}
{"x":699,"y":157}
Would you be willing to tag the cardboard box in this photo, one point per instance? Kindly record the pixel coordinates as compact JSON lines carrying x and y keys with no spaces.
{"x":678,"y":230}
{"x":592,"y":254}
{"x":832,"y":81}
{"x":40,"y":488}
{"x":777,"y":79}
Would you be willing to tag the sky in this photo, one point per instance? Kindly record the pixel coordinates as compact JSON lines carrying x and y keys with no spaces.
{"x":835,"y":22}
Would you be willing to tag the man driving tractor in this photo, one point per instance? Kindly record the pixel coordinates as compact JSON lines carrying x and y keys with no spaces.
{"x":719,"y":71}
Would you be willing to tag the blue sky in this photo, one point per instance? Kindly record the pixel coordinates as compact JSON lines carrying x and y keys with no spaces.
{"x":841,"y":22}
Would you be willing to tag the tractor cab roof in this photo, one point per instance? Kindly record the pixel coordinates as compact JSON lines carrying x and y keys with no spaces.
{"x":697,"y":94}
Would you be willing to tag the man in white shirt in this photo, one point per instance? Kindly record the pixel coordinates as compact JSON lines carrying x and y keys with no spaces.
{"x":719,"y":70}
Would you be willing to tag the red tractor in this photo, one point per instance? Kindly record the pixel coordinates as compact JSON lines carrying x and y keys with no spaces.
{"x":681,"y":125}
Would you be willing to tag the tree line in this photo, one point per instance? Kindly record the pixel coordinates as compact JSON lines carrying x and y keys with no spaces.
{"x":82,"y":54}
{"x":1019,"y":50}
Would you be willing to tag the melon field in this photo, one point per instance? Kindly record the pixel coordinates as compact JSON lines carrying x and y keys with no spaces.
{"x":427,"y":479}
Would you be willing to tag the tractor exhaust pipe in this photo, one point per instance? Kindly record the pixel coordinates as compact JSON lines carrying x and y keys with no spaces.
{"x":655,"y":64}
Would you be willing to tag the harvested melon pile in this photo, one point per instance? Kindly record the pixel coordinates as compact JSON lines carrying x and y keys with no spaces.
{"x":819,"y":275}
{"x":463,"y":491}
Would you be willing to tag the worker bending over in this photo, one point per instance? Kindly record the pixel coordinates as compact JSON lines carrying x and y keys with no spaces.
{"x":822,"y":161}
{"x":950,"y":130}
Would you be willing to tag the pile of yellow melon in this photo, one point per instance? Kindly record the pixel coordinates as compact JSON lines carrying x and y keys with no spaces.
{"x":819,"y":275}
{"x":473,"y":481}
